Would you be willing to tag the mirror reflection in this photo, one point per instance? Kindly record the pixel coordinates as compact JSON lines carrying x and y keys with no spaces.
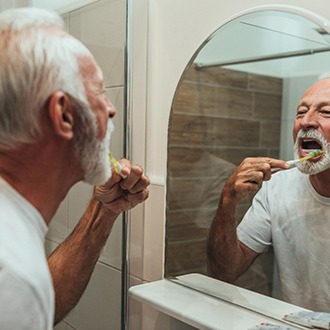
{"x":237,"y":98}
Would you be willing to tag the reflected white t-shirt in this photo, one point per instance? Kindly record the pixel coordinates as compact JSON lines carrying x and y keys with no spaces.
{"x":289,"y":214}
{"x":26,"y":289}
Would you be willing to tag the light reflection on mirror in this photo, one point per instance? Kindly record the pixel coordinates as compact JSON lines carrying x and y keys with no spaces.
{"x":237,"y":98}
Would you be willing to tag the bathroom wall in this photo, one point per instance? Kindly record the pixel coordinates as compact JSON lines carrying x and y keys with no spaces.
{"x":101,"y":27}
{"x":176,"y":29}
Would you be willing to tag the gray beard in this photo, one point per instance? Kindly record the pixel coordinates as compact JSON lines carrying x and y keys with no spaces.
{"x":308,"y":167}
{"x":95,"y":159}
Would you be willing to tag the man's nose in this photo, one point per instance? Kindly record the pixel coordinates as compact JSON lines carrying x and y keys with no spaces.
{"x":111,"y":109}
{"x":309,"y":120}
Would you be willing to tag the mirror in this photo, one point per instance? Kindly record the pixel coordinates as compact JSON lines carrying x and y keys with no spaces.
{"x":236,"y":98}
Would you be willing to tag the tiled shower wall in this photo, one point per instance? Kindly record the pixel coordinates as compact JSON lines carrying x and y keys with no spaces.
{"x":218,"y":118}
{"x":101,"y":27}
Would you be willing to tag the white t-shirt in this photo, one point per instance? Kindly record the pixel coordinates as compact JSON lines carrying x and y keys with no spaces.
{"x":289,"y":214}
{"x":26,"y":289}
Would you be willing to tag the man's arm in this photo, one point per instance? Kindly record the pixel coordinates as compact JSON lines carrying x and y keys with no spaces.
{"x":228,"y":258}
{"x":72,"y":262}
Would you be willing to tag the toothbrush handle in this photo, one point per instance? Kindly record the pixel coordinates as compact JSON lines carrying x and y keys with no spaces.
{"x":292,"y":164}
{"x":118,"y":169}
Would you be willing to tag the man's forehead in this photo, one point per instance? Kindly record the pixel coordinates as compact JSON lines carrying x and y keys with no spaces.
{"x":321,"y":89}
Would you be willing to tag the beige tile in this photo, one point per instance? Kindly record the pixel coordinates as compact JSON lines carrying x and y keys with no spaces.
{"x":217,"y":100}
{"x":99,"y":307}
{"x":267,"y":106}
{"x":270,"y":134}
{"x":286,"y":139}
{"x":265,"y":84}
{"x":186,"y":257}
{"x":224,"y":77}
{"x":187,"y":98}
{"x":194,"y":193}
{"x":199,"y":162}
{"x":188,"y":225}
{"x":217,"y":76}
{"x":274,"y":153}
{"x":209,"y":131}
{"x":100,"y":27}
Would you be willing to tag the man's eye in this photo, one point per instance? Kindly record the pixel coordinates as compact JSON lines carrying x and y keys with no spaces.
{"x":301,"y":112}
{"x":325,"y":112}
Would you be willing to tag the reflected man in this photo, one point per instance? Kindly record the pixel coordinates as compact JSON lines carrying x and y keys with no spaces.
{"x":291,"y":211}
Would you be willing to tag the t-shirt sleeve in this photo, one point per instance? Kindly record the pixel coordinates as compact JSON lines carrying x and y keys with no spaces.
{"x":255,"y":228}
{"x":20,"y":307}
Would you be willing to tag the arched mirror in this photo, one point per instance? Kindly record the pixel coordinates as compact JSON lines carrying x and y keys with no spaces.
{"x":236,"y":98}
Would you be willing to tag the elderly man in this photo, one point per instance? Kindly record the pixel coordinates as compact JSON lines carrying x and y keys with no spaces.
{"x":291,"y":211}
{"x":55,"y":128}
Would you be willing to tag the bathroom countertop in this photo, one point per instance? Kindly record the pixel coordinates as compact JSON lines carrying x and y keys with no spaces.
{"x":229,"y":307}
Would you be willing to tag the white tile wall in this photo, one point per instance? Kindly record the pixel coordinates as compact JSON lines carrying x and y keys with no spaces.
{"x":100,"y":27}
{"x":154,"y":234}
{"x":136,"y":236}
{"x":58,"y":228}
{"x":99,"y":307}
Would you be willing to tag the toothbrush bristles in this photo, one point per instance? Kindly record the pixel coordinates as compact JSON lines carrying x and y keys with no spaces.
{"x":114,"y":161}
{"x":312,"y":154}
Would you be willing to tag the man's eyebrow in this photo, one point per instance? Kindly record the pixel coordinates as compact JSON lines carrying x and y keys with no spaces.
{"x":324,"y":103}
{"x":302,"y":104}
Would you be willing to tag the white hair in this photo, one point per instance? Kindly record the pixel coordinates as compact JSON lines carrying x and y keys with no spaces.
{"x":324,"y":75}
{"x":37,"y":58}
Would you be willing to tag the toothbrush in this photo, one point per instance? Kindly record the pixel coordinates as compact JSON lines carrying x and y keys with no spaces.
{"x":116,"y":165}
{"x":292,"y":163}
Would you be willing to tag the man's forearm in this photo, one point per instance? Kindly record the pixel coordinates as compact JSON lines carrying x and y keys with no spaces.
{"x":223,"y":244}
{"x":72,"y":262}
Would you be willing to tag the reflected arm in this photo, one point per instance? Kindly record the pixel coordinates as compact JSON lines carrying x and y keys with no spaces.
{"x":228,"y":258}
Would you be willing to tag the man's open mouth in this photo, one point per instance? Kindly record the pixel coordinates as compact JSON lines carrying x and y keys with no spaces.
{"x":307,"y":145}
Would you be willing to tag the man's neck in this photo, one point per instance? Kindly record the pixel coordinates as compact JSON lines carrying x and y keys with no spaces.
{"x":40,"y":177}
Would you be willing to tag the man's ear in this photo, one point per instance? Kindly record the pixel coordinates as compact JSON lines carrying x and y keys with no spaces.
{"x":61,"y":114}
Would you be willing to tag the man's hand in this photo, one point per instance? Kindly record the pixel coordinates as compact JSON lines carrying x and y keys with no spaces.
{"x":249,"y":176}
{"x":119,"y":194}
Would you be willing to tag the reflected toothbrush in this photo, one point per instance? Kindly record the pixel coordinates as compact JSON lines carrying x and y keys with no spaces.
{"x":116,"y":165}
{"x":294,"y":162}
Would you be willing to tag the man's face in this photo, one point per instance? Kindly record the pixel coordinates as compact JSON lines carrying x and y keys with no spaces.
{"x":312,"y":127}
{"x":95,"y":140}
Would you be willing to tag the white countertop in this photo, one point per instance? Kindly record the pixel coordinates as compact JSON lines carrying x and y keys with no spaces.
{"x":203,"y":311}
